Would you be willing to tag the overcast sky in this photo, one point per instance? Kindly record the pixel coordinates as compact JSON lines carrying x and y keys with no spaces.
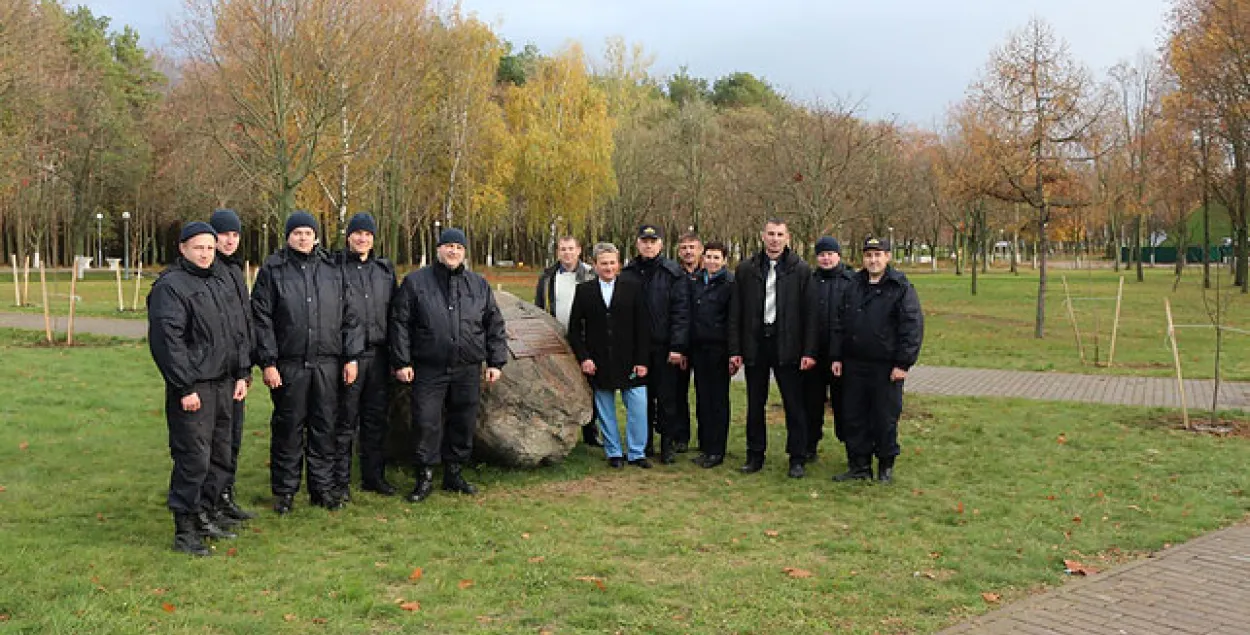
{"x":908,"y":59}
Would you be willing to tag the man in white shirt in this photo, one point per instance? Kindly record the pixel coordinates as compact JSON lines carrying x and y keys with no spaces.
{"x":554,"y":294}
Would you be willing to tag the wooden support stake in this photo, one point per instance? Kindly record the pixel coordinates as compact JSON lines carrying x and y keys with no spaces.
{"x":26,"y":284}
{"x":73,"y":295}
{"x":47,"y":318}
{"x":134,"y":304}
{"x":1067,"y":300}
{"x":121,"y":304}
{"x":1176,"y":359}
{"x":17,"y":287}
{"x":1115,"y":326}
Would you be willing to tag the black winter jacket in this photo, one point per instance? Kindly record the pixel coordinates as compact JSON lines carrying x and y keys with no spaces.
{"x":240,"y":308}
{"x":302,"y":312}
{"x":545,"y":291}
{"x":616,"y":338}
{"x":372,"y":284}
{"x":880,"y":322}
{"x":824,"y":301}
{"x":793,"y":275}
{"x":713,"y":308}
{"x":190,"y":334}
{"x":664,"y":286}
{"x":433,"y":327}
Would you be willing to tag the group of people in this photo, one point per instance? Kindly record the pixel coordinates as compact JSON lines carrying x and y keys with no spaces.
{"x":329,"y":331}
{"x":830,"y":335}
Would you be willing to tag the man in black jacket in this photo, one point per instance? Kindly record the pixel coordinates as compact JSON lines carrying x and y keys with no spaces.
{"x":713,"y":324}
{"x":772,"y":286}
{"x":195,"y":344}
{"x":228,"y":264}
{"x":690,"y":259}
{"x":666,"y":294}
{"x":364,"y":403}
{"x":444,"y":325}
{"x":554,"y":294}
{"x":829,"y":282}
{"x":883,"y":327}
{"x":308,"y":342}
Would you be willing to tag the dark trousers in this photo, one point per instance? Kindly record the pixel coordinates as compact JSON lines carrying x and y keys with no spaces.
{"x":199,"y":444}
{"x":790,"y":381}
{"x":821,"y":387}
{"x":236,"y":435}
{"x":662,"y":416}
{"x":681,"y":402}
{"x":710,"y":363}
{"x":362,"y":411}
{"x":304,"y":410}
{"x":444,"y":413}
{"x":871,"y":407}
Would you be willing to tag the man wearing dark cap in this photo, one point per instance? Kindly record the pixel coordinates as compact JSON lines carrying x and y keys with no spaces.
{"x":229,"y":265}
{"x":364,"y":403}
{"x":829,"y":282}
{"x":308,"y":343}
{"x":772,"y":286}
{"x":882,"y":330}
{"x":195,"y":344}
{"x":668,"y":303}
{"x":444,"y":326}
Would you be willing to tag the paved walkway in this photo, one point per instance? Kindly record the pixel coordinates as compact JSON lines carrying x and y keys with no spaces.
{"x":96,"y":326}
{"x":1199,"y":588}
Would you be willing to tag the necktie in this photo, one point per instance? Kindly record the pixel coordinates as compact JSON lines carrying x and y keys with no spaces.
{"x":770,"y":293}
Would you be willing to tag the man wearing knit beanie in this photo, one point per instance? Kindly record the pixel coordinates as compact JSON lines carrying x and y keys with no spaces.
{"x":308,"y":341}
{"x":229,"y":266}
{"x":825,"y":291}
{"x":363,"y":406}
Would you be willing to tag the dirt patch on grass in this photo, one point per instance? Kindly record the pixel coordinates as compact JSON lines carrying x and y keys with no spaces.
{"x":1228,"y":424}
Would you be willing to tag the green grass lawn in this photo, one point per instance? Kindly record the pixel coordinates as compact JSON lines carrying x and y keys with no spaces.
{"x":991,"y":496}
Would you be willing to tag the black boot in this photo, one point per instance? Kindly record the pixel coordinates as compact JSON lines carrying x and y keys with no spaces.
{"x":230,"y":509}
{"x":885,"y":469}
{"x":219,"y":518}
{"x":378,"y":485}
{"x":796,"y":467}
{"x":424,"y":486}
{"x":859,"y":468}
{"x":206,"y":528}
{"x":453,"y":481}
{"x":590,"y":435}
{"x":283,"y":503}
{"x":187,"y":537}
{"x":329,"y":500}
{"x":755,"y":463}
{"x":668,"y":451}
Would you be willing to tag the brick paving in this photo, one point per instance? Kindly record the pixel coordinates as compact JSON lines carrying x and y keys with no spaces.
{"x":1201,"y":587}
{"x":135,"y":329}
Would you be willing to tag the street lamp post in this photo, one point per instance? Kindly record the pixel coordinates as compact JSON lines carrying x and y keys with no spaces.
{"x":99,"y":239}
{"x":891,"y":242}
{"x":437,"y":229}
{"x":126,"y":243}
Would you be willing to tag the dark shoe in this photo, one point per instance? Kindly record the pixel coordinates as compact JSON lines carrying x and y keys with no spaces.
{"x":885,"y":469}
{"x":424,"y":486}
{"x":330,"y":501}
{"x":859,"y":468}
{"x":283,"y":504}
{"x":219,"y":518}
{"x":381,"y":487}
{"x":590,"y":435}
{"x":668,"y":453}
{"x":711,"y":460}
{"x":681,"y":447}
{"x":796,"y":469}
{"x":643,"y":463}
{"x":228,"y":507}
{"x":344,"y":493}
{"x":187,"y":537}
{"x":811,"y":455}
{"x":453,"y":481}
{"x":616,"y":462}
{"x":206,"y":528}
{"x":754,"y":464}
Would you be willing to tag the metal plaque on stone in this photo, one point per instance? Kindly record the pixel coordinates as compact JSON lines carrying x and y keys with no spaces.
{"x":531,"y":337}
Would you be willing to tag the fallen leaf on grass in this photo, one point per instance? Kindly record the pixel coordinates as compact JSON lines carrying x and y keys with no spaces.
{"x":290,"y":617}
{"x":232,"y":552}
{"x":992,"y":598}
{"x":379,"y":564}
{"x":537,"y":559}
{"x":1062,"y":439}
{"x":486,"y":619}
{"x":464,"y":584}
{"x":959,"y":509}
{"x":4,"y":617}
{"x":589,"y":578}
{"x":1076,"y":519}
{"x":100,"y":517}
{"x":167,"y":607}
{"x":416,"y":575}
{"x":1076,"y":568}
{"x":158,"y":591}
{"x":935,"y":554}
{"x":319,"y":620}
{"x":23,"y":445}
{"x":795,"y":572}
{"x":525,"y":536}
{"x":772,"y":533}
{"x":410,"y":606}
{"x":2,"y":490}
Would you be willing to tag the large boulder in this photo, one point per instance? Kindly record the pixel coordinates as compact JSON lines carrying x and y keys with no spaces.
{"x":534,"y":414}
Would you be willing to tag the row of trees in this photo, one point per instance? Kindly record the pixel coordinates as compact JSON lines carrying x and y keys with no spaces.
{"x":427,"y":118}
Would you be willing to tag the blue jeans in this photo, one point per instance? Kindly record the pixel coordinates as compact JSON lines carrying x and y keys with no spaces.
{"x":635,"y":400}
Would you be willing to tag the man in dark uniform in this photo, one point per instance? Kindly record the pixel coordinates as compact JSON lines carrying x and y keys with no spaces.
{"x":690,"y":259}
{"x":308,"y":343}
{"x":554,"y":294}
{"x":829,"y":282}
{"x":196,"y":347}
{"x":772,"y":286}
{"x":882,"y":327}
{"x":364,"y":403}
{"x":444,"y":325}
{"x":713,"y":324}
{"x":228,"y":227}
{"x":666,"y":294}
